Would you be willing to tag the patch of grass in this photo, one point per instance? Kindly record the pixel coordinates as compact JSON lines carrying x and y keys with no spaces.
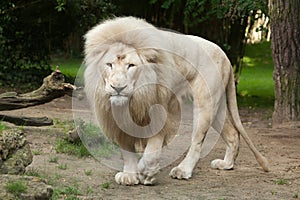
{"x":98,"y":144}
{"x":105,"y":185}
{"x":88,"y":172}
{"x":256,"y":86}
{"x":51,"y":179}
{"x":89,"y":190}
{"x":104,"y":151}
{"x":55,"y":194}
{"x":33,"y":172}
{"x":62,"y":166}
{"x":16,"y":188}
{"x":296,"y":196}
{"x":273,"y":192}
{"x":64,"y":125}
{"x":280,"y":181}
{"x":77,"y":149}
{"x":53,"y":159}
{"x":36,"y":152}
{"x":69,"y":192}
{"x":57,"y":176}
{"x":2,"y":126}
{"x":21,"y":128}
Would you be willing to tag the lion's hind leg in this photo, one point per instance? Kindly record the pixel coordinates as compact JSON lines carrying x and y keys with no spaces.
{"x":231,"y":137}
{"x":185,"y":168}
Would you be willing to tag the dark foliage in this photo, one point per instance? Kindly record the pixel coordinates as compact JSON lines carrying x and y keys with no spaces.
{"x":23,"y":56}
{"x":32,"y":30}
{"x":223,"y":22}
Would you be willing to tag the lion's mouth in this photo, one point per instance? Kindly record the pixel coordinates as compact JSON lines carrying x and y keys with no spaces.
{"x":118,"y":95}
{"x":118,"y":100}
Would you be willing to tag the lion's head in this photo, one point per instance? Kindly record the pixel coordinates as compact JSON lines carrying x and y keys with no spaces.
{"x":120,"y":61}
{"x":125,"y":72}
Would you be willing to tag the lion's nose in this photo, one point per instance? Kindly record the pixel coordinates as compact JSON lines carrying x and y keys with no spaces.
{"x":118,"y":89}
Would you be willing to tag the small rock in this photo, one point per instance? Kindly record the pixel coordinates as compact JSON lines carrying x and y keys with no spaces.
{"x":15,"y":153}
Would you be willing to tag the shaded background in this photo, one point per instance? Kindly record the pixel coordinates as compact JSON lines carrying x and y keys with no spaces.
{"x":35,"y":32}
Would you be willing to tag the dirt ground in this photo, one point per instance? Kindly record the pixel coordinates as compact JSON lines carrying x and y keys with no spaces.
{"x":92,"y":180}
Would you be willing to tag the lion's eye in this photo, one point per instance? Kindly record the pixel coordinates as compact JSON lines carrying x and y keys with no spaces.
{"x":130,"y":65}
{"x":109,"y":65}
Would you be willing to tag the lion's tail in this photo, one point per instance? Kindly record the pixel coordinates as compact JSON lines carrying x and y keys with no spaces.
{"x":233,"y":109}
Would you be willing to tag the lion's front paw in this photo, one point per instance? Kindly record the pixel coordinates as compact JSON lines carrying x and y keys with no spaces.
{"x":221,"y":164}
{"x":146,"y":180}
{"x":179,"y":173}
{"x":147,"y":172}
{"x":125,"y":178}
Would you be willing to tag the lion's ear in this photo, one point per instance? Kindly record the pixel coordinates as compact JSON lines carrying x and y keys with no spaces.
{"x":149,"y":55}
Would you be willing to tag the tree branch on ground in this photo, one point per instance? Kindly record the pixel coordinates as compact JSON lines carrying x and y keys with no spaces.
{"x":53,"y":87}
{"x":27,"y":121}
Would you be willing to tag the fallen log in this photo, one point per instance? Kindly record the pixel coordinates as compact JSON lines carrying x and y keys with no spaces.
{"x":53,"y":87}
{"x":27,"y":121}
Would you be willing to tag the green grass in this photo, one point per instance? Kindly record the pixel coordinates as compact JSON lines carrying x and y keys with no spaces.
{"x":105,"y":185}
{"x":90,"y":136}
{"x":256,"y":86}
{"x":65,"y":146}
{"x":68,"y":67}
{"x":36,"y":152}
{"x":98,"y":144}
{"x":66,"y":125}
{"x":295,"y":196}
{"x":16,"y":188}
{"x":33,"y":172}
{"x":280,"y":181}
{"x":88,"y":172}
{"x":2,"y":126}
{"x":62,"y":166}
{"x":53,"y":159}
{"x":77,"y":149}
{"x":89,"y":190}
{"x":68,"y":192}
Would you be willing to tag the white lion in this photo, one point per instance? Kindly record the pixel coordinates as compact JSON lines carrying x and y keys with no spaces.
{"x":132,"y":67}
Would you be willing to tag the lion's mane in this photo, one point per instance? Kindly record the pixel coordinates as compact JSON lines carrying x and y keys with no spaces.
{"x":146,"y":40}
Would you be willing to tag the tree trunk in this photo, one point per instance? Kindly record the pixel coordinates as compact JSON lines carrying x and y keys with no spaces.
{"x":285,"y":38}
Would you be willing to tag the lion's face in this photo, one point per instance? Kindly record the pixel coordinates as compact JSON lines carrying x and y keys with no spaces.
{"x":120,"y":73}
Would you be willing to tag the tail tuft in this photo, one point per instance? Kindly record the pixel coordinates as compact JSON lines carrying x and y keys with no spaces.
{"x":263,"y":162}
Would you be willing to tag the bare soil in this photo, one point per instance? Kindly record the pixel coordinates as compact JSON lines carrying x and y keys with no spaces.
{"x":93,"y":180}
